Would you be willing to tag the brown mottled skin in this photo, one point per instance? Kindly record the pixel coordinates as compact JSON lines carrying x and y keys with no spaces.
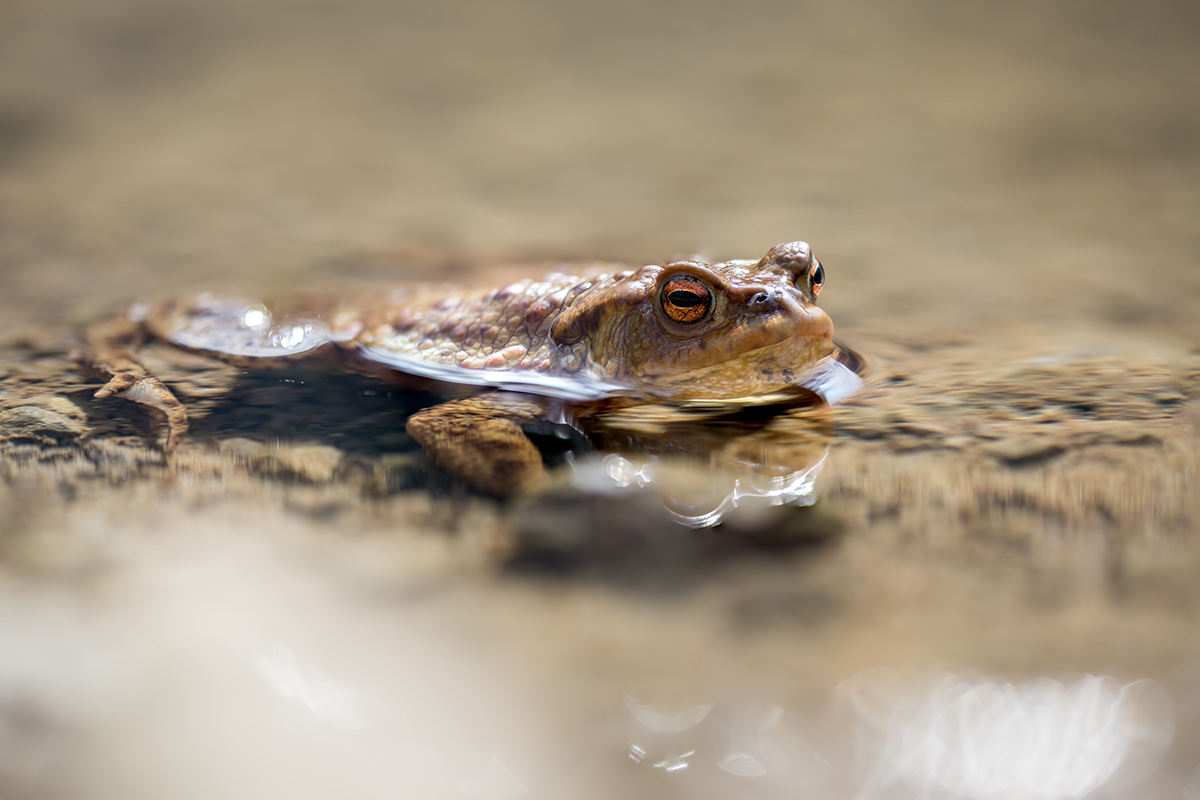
{"x":760,"y":325}
{"x":763,"y":326}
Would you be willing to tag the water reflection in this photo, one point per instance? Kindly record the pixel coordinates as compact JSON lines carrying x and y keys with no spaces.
{"x":675,"y":763}
{"x":705,"y":462}
{"x":1191,"y":791}
{"x":980,"y":737}
{"x":497,"y":782}
{"x":328,"y":700}
{"x":777,"y":746}
{"x":666,"y":736}
{"x":742,"y":765}
{"x":948,"y":735}
{"x":662,"y":721}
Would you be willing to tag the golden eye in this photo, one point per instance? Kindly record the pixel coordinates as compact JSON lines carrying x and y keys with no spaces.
{"x":686,"y":300}
{"x":816,"y":278}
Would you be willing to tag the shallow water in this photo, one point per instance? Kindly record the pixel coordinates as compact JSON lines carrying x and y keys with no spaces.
{"x":992,"y":595}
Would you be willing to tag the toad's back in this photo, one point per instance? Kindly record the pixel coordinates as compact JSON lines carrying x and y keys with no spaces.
{"x":495,"y":329}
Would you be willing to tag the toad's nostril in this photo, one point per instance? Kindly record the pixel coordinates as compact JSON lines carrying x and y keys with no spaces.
{"x":761,"y":297}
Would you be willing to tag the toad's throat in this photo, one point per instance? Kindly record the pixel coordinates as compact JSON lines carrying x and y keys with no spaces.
{"x":770,"y":366}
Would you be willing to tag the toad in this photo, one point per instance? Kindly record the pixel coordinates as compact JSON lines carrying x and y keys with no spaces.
{"x":563,"y":348}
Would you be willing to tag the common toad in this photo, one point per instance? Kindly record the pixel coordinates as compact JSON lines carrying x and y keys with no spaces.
{"x":564,"y":348}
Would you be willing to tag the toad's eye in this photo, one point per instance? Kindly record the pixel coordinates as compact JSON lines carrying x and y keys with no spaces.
{"x":686,"y":300}
{"x":816,"y":278}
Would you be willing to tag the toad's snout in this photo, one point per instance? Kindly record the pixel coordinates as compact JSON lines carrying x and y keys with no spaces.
{"x":773,"y":300}
{"x":803,"y":319}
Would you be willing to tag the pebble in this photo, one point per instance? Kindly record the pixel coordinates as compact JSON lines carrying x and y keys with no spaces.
{"x":52,"y":420}
{"x":1022,"y":450}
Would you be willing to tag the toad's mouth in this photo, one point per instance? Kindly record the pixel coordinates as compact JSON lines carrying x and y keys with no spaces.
{"x":801,"y":328}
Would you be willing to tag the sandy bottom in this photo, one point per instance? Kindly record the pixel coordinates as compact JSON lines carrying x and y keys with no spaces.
{"x":993,"y":597}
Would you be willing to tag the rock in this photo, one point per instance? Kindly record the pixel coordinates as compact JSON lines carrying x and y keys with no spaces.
{"x":310,"y":462}
{"x":924,"y":430}
{"x":46,"y":420}
{"x":31,"y":422}
{"x":1024,"y":450}
{"x":313,"y":462}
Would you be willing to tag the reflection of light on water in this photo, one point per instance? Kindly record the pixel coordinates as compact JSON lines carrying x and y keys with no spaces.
{"x":675,"y":763}
{"x":1191,"y":791}
{"x":983,"y":738}
{"x":625,"y":473}
{"x":663,"y":734}
{"x":254,"y":318}
{"x":770,"y":744}
{"x":743,"y":765}
{"x":331,"y":702}
{"x":774,"y":745}
{"x":289,"y":337}
{"x":947,"y":737}
{"x":796,"y":488}
{"x":666,"y":722}
{"x":233,"y":326}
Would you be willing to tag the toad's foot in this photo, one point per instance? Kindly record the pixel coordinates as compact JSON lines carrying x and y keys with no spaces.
{"x":110,"y":348}
{"x":150,"y":391}
{"x":479,"y":439}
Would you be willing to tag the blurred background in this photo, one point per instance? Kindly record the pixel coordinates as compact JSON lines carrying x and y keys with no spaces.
{"x":1006,"y":198}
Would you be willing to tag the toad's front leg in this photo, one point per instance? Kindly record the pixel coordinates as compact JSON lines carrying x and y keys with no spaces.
{"x":479,"y":439}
